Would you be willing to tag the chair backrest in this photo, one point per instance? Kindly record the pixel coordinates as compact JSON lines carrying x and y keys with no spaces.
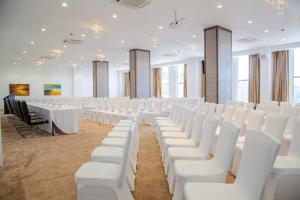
{"x":205,"y":107}
{"x":196,"y":132}
{"x":275,"y":125}
{"x":228,"y":112}
{"x":226,"y":144}
{"x":255,"y":119}
{"x":272,"y":108}
{"x":239,"y":117}
{"x":25,"y":112}
{"x":211,"y":108}
{"x":250,"y":105}
{"x":292,"y":113}
{"x":208,"y":132}
{"x":188,"y":121}
{"x":295,"y":144}
{"x":259,"y":153}
{"x":219,"y":109}
{"x":260,"y":107}
{"x":157,"y":105}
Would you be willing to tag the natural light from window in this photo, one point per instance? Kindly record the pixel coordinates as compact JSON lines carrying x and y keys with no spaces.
{"x":243,"y":76}
{"x":180,"y":80}
{"x":165,"y":82}
{"x":296,"y":76}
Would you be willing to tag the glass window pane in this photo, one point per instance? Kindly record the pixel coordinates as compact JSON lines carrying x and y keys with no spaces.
{"x":180,"y":73}
{"x":165,"y":81}
{"x":297,"y":62}
{"x":243,"y":67}
{"x":243,"y":91}
{"x":180,"y":90}
{"x":296,"y":90}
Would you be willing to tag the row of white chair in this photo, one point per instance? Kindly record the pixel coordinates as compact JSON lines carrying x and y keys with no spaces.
{"x":111,"y":172}
{"x":185,"y":156}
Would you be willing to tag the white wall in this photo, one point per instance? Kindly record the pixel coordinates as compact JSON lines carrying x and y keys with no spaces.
{"x":36,"y":77}
{"x":83,"y":81}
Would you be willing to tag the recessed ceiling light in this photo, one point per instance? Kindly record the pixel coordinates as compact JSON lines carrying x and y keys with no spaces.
{"x":266,"y":31}
{"x":122,"y":41}
{"x":154,"y":46}
{"x":64,"y":4}
{"x":114,"y":16}
{"x":282,"y":39}
{"x":15,"y":63}
{"x":19,"y":58}
{"x":81,"y":57}
{"x":160,"y":27}
{"x":24,"y":52}
{"x":250,"y":22}
{"x":43,"y":29}
{"x":194,"y":36}
{"x":32,"y":42}
{"x":99,"y":50}
{"x":219,"y":6}
{"x":65,"y":46}
{"x":83,"y":35}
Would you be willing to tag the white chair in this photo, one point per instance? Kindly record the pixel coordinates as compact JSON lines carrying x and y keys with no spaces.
{"x":250,"y":105}
{"x":97,"y":180}
{"x":258,"y":158}
{"x":188,"y":153}
{"x":211,"y":108}
{"x":284,"y":179}
{"x":274,"y":124}
{"x":213,"y":170}
{"x":196,"y":133}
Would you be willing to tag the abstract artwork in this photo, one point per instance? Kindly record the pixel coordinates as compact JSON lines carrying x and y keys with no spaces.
{"x":19,"y":89}
{"x":52,"y":89}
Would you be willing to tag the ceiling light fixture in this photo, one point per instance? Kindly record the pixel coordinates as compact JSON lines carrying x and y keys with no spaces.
{"x":282,"y":39}
{"x":81,"y":57}
{"x":64,"y":4}
{"x":24,"y":52}
{"x":43,"y":29}
{"x":15,"y":63}
{"x":19,"y":58}
{"x":250,"y":22}
{"x":194,"y":36}
{"x":83,"y":35}
{"x":280,"y":5}
{"x":154,"y":46}
{"x":97,"y":30}
{"x":122,"y":41}
{"x":266,"y":31}
{"x":65,"y":46}
{"x":160,"y":27}
{"x":99,"y":50}
{"x":32,"y":42}
{"x":114,"y":16}
{"x":219,"y":6}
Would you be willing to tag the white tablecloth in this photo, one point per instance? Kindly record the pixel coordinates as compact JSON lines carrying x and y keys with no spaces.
{"x":64,"y":118}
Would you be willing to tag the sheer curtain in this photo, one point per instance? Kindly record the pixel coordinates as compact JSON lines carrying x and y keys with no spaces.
{"x":280,"y":86}
{"x":127,"y":84}
{"x":254,"y":78}
{"x":185,"y":81}
{"x":157,"y":82}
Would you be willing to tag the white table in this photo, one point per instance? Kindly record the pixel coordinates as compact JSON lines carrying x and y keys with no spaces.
{"x":65,"y":118}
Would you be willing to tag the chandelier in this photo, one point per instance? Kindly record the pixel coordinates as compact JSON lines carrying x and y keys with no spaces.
{"x":278,"y":4}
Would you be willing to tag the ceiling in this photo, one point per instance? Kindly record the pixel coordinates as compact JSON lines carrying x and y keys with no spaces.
{"x":21,"y":23}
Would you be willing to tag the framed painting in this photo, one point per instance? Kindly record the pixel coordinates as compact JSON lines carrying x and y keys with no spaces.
{"x":19,"y":89}
{"x":52,"y":89}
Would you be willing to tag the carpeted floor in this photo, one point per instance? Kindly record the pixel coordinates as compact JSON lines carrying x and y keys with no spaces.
{"x":40,"y":168}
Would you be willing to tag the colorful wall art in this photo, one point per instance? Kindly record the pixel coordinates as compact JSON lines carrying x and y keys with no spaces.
{"x":19,"y":89}
{"x":52,"y":89}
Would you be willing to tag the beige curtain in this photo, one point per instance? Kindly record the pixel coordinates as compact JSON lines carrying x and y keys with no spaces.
{"x":254,"y":78}
{"x":280,"y":82}
{"x":185,"y":81}
{"x":157,"y":82}
{"x":127,"y":84}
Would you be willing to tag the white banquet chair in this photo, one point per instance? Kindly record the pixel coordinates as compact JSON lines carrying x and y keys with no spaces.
{"x":213,"y":170}
{"x":258,"y":158}
{"x":284,"y":179}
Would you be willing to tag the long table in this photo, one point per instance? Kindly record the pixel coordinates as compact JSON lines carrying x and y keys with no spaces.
{"x":64,"y":118}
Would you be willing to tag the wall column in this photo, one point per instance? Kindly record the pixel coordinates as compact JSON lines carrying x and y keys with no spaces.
{"x":140,"y":83}
{"x":100,"y":79}
{"x":218,"y":64}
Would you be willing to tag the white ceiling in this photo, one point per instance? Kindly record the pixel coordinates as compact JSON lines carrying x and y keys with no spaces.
{"x":21,"y":22}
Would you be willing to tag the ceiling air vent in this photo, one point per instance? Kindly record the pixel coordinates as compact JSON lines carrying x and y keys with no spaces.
{"x":72,"y":41}
{"x":247,"y":40}
{"x":133,"y":4}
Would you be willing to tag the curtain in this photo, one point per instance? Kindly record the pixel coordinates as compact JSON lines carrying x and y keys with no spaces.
{"x":185,"y":81}
{"x":202,"y":78}
{"x":254,"y":78}
{"x":157,"y":82}
{"x":127,"y":84}
{"x":280,"y":81}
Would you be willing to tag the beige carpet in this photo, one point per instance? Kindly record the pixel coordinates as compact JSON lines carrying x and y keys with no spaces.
{"x":40,"y":168}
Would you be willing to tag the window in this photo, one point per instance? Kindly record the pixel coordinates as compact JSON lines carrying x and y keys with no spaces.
{"x":243,"y":76}
{"x":180,"y":80}
{"x":296,"y":76}
{"x":165,"y":82}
